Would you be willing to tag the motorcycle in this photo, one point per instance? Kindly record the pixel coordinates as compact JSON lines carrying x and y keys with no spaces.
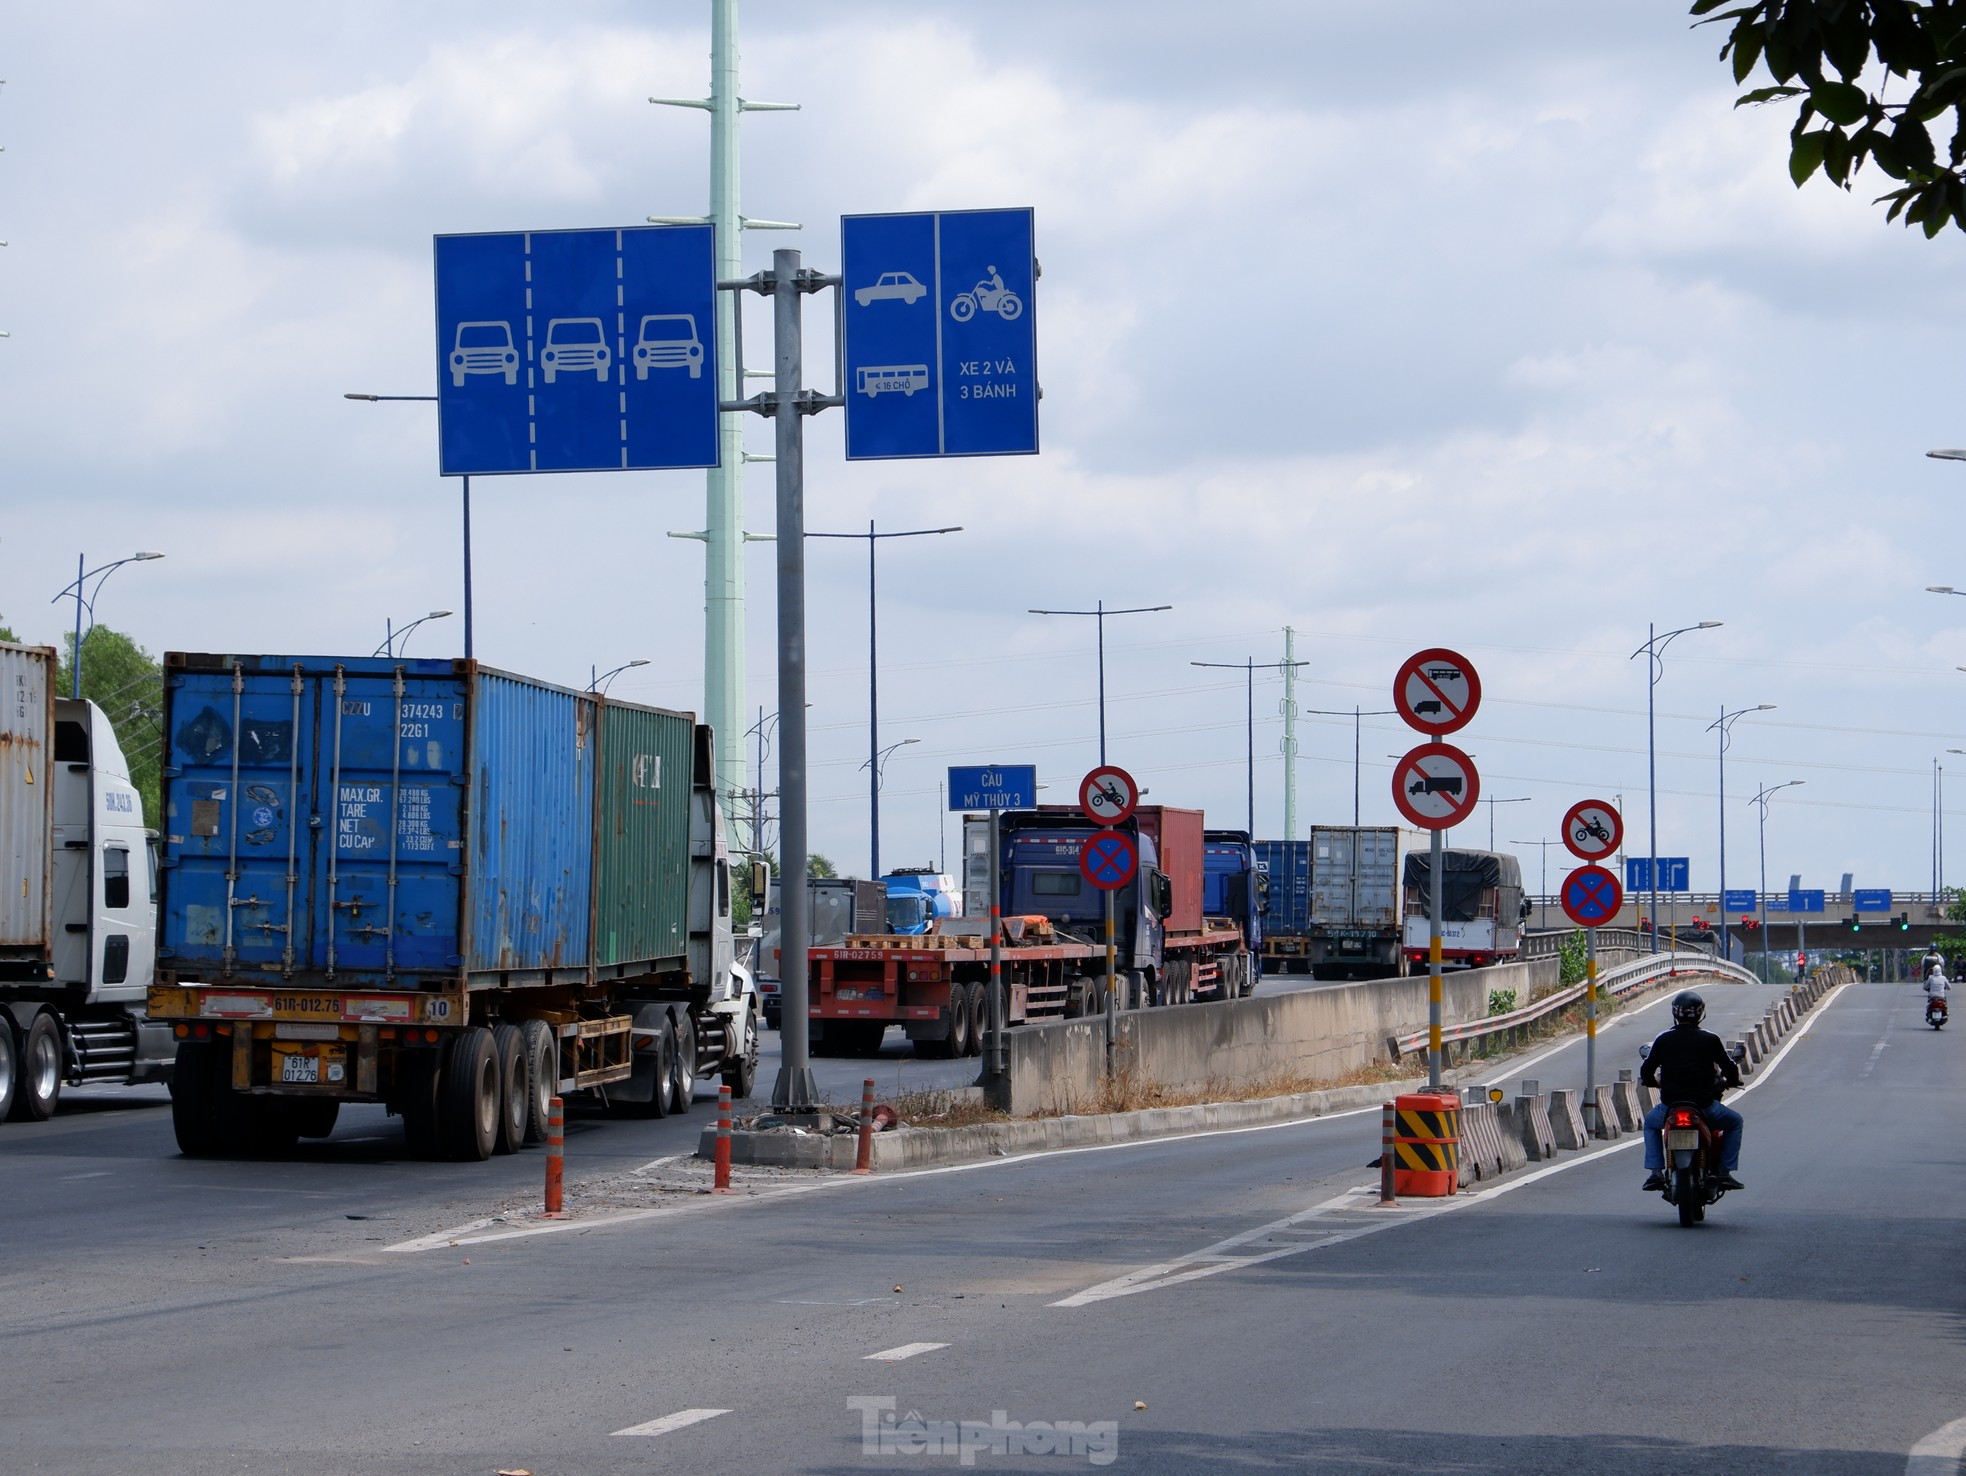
{"x":1935,"y":1011}
{"x":1692,"y":1163}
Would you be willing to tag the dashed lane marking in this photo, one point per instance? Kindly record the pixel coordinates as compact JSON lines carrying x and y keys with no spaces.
{"x":677,"y":1421}
{"x":1939,"y":1453}
{"x":906,"y":1350}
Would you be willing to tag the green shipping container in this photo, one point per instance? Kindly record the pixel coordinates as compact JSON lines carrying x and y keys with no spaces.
{"x":641,"y":864}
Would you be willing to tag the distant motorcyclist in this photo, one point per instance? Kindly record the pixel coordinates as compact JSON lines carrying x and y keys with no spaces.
{"x":1937,"y":986}
{"x":1933,"y":960}
{"x":1691,"y":1065}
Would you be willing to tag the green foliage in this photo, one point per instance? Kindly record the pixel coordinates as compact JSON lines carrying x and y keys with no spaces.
{"x":818,"y":865}
{"x":127,"y":683}
{"x":1952,"y":945}
{"x":1572,"y":954}
{"x":1815,"y":50}
{"x":1500,"y":1001}
{"x":7,"y":634}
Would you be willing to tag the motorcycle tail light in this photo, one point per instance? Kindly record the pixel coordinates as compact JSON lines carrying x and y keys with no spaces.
{"x":1682,"y":1120}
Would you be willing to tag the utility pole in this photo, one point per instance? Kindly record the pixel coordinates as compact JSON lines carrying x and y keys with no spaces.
{"x":1248,"y":669}
{"x":723,"y":536}
{"x":1100,"y":613}
{"x":1290,"y":665}
{"x":1358,"y":716}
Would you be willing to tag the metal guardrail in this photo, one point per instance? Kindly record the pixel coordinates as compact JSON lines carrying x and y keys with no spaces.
{"x":1618,"y":983}
{"x":1548,"y":944}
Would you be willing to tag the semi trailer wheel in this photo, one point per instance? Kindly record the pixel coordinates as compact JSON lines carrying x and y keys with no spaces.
{"x":9,"y":1064}
{"x":418,"y":1074}
{"x":542,"y":1049}
{"x":509,"y":1048}
{"x":193,"y":1082}
{"x":683,"y":1053}
{"x":979,"y":1017}
{"x":37,"y":1092}
{"x":467,"y":1097}
{"x":957,"y":1043}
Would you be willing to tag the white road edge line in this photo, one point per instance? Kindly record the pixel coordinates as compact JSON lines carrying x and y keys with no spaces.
{"x":676,"y":1421}
{"x":1939,"y":1453}
{"x":467,"y":1234}
{"x":906,"y":1350}
{"x":1210,"y":1259}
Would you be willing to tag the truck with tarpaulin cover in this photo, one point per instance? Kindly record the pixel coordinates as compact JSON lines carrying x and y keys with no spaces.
{"x":1053,"y":951}
{"x":1483,"y":907}
{"x":440,"y":887}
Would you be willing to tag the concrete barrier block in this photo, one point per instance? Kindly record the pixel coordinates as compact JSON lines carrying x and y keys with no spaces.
{"x":1648,"y":1098}
{"x":1475,"y":1154}
{"x":1538,"y":1138}
{"x":1567,"y":1119}
{"x":1605,"y":1112}
{"x":1625,"y":1102}
{"x":1513,"y":1154}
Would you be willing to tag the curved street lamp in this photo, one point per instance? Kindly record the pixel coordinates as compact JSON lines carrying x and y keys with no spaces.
{"x":1725,"y":726}
{"x":600,"y":683}
{"x":1654,"y":648}
{"x":86,"y":599}
{"x":398,"y":636}
{"x":1761,"y":798}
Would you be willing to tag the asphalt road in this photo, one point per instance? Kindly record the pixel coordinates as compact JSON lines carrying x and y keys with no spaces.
{"x":160,"y":1314}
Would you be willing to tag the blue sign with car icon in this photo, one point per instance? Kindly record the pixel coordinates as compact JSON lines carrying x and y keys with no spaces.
{"x":537,"y":332}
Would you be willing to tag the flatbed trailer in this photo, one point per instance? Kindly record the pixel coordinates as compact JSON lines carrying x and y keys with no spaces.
{"x":937,"y":987}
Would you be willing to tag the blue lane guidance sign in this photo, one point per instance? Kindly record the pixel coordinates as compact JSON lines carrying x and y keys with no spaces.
{"x":994,"y":787}
{"x":1741,"y":899}
{"x":1675,"y":874}
{"x":939,"y":334}
{"x":577,"y":350}
{"x":1810,"y":900}
{"x":1871,"y":899}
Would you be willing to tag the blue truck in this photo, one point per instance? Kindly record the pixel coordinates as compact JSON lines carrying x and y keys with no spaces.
{"x":918,"y":898}
{"x":1232,"y":889}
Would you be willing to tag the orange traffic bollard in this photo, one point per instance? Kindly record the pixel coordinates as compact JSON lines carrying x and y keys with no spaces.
{"x":723,"y":1141}
{"x":1387,"y":1153}
{"x":556,"y":1140}
{"x":863,"y":1162}
{"x":1428,"y":1142}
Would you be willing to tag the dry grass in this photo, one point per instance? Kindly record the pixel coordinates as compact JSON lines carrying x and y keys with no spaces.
{"x":941,"y":1110}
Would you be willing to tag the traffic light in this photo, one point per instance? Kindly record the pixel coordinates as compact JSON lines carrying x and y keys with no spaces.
{"x":1801,"y":961}
{"x":1904,"y":922}
{"x":1853,"y":923}
{"x":1750,"y":922}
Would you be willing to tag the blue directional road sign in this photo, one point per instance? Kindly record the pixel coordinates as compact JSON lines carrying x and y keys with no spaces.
{"x":1871,"y":899}
{"x":1740,"y":899}
{"x":1806,"y":901}
{"x":577,"y":350}
{"x":994,"y":787}
{"x":1674,"y":874}
{"x":939,"y":334}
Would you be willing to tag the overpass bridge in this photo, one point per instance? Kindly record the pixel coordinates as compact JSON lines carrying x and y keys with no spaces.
{"x":1814,"y":931}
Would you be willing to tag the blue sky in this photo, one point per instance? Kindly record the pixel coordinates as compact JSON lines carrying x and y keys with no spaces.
{"x":1496,"y":328}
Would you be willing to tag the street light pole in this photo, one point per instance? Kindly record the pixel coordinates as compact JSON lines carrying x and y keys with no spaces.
{"x":1356,"y":715}
{"x":873,"y":686}
{"x":600,"y":683}
{"x":1653,"y":650}
{"x":1542,"y":902}
{"x":84,"y":599}
{"x":1100,"y":613}
{"x":1492,"y":803}
{"x":1761,"y":799}
{"x":1248,"y":669}
{"x":469,"y":652}
{"x":1725,"y":725}
{"x":394,"y":638}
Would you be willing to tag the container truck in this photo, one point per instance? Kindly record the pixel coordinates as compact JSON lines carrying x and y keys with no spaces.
{"x":1353,"y":929}
{"x":1053,"y":949}
{"x":77,"y":903}
{"x":836,"y":908}
{"x":1233,"y":891}
{"x":439,"y":887}
{"x":1482,"y":909}
{"x":1285,"y":867}
{"x":918,"y":898}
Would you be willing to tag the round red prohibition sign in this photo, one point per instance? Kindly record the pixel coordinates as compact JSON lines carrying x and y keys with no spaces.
{"x":1436,"y":786}
{"x":1109,"y":860}
{"x":1592,"y":829}
{"x":1437,"y":691}
{"x":1591,"y":896}
{"x":1108,"y":795}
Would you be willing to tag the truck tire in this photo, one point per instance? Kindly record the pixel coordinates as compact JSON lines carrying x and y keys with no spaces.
{"x":9,"y":1064}
{"x":682,"y":1076}
{"x":467,"y":1097}
{"x":741,"y":1071}
{"x":509,"y":1046}
{"x":194,"y":1081}
{"x":417,"y":1076}
{"x":37,"y":1092}
{"x":956,"y":1043}
{"x":542,"y":1076}
{"x":979,"y":1017}
{"x":315,"y":1117}
{"x":654,"y":1066}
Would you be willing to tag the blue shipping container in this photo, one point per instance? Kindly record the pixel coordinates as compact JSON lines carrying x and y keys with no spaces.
{"x":1288,"y":866}
{"x":373,"y":833}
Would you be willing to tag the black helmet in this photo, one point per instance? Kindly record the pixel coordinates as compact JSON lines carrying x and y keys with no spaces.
{"x":1688,"y":1008}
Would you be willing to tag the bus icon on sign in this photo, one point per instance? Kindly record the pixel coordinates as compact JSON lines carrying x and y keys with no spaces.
{"x":883,"y":379}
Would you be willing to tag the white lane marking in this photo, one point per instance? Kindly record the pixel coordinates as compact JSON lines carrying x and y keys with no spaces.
{"x":906,"y":1350}
{"x":98,"y":1174}
{"x":1875,"y":1051}
{"x":802,"y":1302}
{"x":656,"y":1163}
{"x":676,"y":1421}
{"x":1939,"y":1453}
{"x":1364,"y":1216}
{"x":467,"y":1234}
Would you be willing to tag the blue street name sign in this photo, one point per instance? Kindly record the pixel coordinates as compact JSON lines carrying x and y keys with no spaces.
{"x":1674,"y":874}
{"x":1809,"y":901}
{"x":577,"y":350}
{"x":1741,"y":899}
{"x":1871,"y":899}
{"x":994,"y":787}
{"x":939,"y":334}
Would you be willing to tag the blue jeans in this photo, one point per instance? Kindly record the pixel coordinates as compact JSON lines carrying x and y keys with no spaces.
{"x":1720,"y":1117}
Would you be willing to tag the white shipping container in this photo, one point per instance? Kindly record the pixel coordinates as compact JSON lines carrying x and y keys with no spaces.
{"x":27,"y":797}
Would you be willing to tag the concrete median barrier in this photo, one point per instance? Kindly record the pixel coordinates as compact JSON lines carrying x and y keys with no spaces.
{"x":1604,"y":1114}
{"x":1625,"y":1103}
{"x":1567,"y":1119}
{"x":1481,"y":1142}
{"x":1533,"y":1129}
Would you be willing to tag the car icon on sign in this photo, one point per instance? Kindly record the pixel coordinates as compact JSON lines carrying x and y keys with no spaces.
{"x":668,"y":341}
{"x":483,"y":348}
{"x":573,"y":345}
{"x":891,"y":284}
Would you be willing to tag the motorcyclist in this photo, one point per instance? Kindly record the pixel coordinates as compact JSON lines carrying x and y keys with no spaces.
{"x":1937,"y":986}
{"x":1933,"y":960}
{"x":1691,"y":1065}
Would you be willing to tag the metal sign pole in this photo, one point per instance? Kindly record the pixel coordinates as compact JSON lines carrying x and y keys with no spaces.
{"x":1112,"y":989}
{"x":795,"y":1087}
{"x":1435,"y":864}
{"x":999,"y":1006}
{"x":1590,"y":1015}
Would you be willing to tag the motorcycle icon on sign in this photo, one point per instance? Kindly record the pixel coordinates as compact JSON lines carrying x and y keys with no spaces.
{"x":991,"y":296}
{"x":1590,"y":828}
